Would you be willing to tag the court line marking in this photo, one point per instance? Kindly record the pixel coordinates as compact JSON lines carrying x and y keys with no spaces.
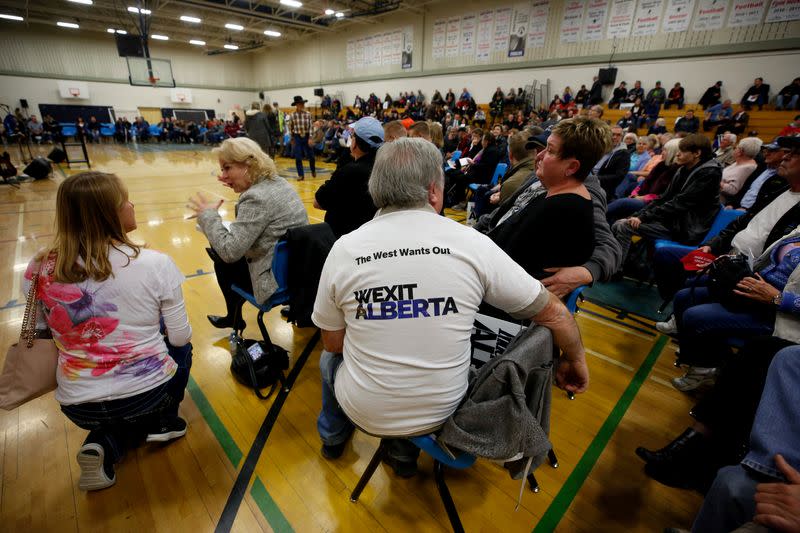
{"x":614,"y":324}
{"x":561,"y":503}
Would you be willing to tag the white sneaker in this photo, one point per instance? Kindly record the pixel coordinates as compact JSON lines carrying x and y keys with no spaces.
{"x":695,"y":378}
{"x":670,"y":327}
{"x":93,"y":475}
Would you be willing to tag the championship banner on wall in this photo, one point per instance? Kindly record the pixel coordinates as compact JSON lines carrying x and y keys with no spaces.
{"x":710,"y":15}
{"x":540,"y":11}
{"x":783,"y":10}
{"x":746,"y":13}
{"x":468,"y":23}
{"x":483,"y":49}
{"x":572,"y":21}
{"x":407,"y":55}
{"x":502,"y":27}
{"x":678,"y":16}
{"x":620,"y":19}
{"x":518,"y":34}
{"x":648,"y":18}
{"x":594,"y":24}
{"x":439,"y":35}
{"x":452,"y":36}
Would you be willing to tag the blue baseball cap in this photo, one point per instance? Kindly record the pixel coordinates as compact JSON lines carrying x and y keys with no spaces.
{"x":369,"y":130}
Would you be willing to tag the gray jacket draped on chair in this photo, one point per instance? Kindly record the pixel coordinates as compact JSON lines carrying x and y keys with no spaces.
{"x":506,"y":411}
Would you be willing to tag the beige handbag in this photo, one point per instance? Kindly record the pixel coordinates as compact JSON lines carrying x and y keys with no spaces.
{"x":31,"y":364}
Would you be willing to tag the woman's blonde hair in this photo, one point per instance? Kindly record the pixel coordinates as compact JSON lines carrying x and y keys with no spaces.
{"x":437,"y":137}
{"x":87,"y":225}
{"x":248,"y":152}
{"x":670,"y":150}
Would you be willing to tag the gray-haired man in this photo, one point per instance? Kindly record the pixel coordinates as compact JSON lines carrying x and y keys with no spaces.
{"x":396,"y":304}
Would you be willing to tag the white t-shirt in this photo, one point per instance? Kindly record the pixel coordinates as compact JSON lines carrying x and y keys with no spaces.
{"x":406,"y":287}
{"x":108,"y":332}
{"x":750,"y":241}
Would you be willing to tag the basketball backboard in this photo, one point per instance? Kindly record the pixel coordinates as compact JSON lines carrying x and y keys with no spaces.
{"x":157,"y":74}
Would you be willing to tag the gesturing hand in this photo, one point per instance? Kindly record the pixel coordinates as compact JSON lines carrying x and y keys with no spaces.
{"x":756,"y":289}
{"x":778,"y":504}
{"x":199,"y":203}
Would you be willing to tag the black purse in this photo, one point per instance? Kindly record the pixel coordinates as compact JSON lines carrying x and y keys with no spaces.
{"x":724,"y":274}
{"x":257,"y":364}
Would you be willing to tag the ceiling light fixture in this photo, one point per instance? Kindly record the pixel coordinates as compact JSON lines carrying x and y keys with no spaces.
{"x":197,"y":42}
{"x":231,"y":47}
{"x":84,"y":2}
{"x":329,"y":12}
{"x":160,"y":37}
{"x":272,"y":33}
{"x":236,"y":27}
{"x":339,"y":14}
{"x":291,"y":3}
{"x":10,"y":17}
{"x":67,"y":25}
{"x":137,"y":10}
{"x":186,"y":18}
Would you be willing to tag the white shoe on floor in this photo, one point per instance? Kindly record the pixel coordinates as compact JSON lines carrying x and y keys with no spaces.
{"x":695,"y":378}
{"x":93,"y":475}
{"x":670,"y":327}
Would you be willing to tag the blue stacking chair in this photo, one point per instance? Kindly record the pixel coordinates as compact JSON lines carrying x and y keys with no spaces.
{"x":68,"y":130}
{"x":721,"y":221}
{"x":280,"y":269}
{"x":499,"y":170}
{"x":108,"y":129}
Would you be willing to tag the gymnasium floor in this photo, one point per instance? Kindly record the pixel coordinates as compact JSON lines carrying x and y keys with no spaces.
{"x":599,"y":486}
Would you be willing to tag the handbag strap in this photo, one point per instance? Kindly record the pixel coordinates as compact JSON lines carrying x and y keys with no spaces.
{"x":28,"y":332}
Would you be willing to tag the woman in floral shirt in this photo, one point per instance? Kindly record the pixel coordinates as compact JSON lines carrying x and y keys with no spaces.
{"x":104,"y":298}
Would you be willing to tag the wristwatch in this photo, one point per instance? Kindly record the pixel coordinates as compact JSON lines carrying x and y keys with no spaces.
{"x":778,"y":299}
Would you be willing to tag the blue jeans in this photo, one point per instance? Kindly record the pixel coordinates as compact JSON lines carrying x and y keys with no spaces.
{"x":118,"y":425}
{"x":300,"y":150}
{"x":779,"y":101}
{"x":623,"y":208}
{"x":705,"y":327}
{"x":626,"y":186}
{"x":730,"y":501}
{"x":668,"y":270}
{"x":332,"y":424}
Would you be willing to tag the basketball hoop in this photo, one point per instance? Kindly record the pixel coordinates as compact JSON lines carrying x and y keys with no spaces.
{"x":153,"y":81}
{"x":74,"y":92}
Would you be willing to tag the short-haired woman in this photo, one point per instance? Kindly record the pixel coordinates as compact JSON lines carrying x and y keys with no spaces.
{"x":103,"y":299}
{"x":267,"y":207}
{"x":734,"y":176}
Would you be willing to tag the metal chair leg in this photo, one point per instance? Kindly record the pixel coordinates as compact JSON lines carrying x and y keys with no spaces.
{"x":551,"y":456}
{"x":367,"y":475}
{"x":447,"y":500}
{"x":533,"y":483}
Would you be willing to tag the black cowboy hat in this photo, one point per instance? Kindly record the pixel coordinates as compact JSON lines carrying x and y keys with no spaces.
{"x":299,"y":100}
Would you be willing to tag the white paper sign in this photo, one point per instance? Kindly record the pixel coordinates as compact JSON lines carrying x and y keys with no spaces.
{"x":710,"y":15}
{"x":483,"y":48}
{"x":453,"y":35}
{"x":439,"y":33}
{"x":594,"y":23}
{"x":783,"y":11}
{"x":620,"y":19}
{"x":648,"y":17}
{"x":518,"y":34}
{"x":540,"y":11}
{"x":572,"y":21}
{"x":678,"y":15}
{"x":502,"y":25}
{"x":746,"y":13}
{"x":468,"y":24}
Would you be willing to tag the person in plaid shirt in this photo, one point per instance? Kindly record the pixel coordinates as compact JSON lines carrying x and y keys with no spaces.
{"x":300,"y":128}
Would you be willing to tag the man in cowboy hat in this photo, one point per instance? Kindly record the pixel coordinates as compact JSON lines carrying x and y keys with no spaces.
{"x":300,"y":128}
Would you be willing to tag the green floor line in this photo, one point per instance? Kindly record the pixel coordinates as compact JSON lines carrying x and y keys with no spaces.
{"x":269,"y":508}
{"x":217,"y":427}
{"x":558,"y":507}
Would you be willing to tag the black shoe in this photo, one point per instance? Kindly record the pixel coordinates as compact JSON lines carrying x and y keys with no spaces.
{"x":688,"y":443}
{"x":285,"y":310}
{"x":403,"y":469}
{"x":224,"y":322}
{"x":333,"y":451}
{"x":687,"y":475}
{"x":171,"y":430}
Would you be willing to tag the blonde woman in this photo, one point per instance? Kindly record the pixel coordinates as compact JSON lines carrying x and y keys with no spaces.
{"x":734,"y":176}
{"x":267,"y":207}
{"x":103,"y":298}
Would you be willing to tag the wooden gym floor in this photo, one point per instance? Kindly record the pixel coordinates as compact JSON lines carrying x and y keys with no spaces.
{"x":599,"y":486}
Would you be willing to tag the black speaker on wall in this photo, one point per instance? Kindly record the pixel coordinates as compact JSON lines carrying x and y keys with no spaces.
{"x":607,"y":76}
{"x":261,"y":95}
{"x":23,"y":103}
{"x":129,"y":45}
{"x":38,"y":169}
{"x":319,"y":92}
{"x":57,"y":156}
